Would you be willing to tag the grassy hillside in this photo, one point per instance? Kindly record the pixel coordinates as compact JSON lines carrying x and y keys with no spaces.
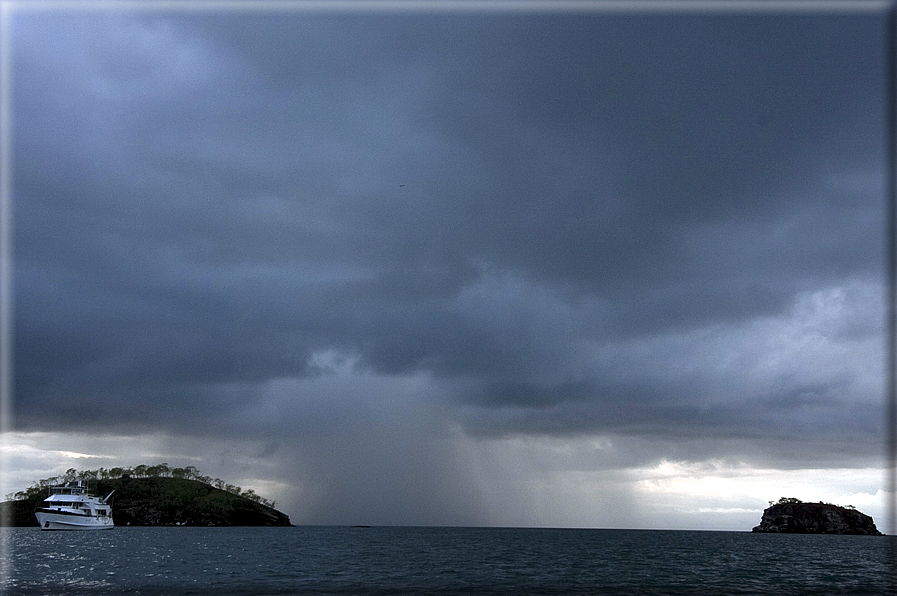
{"x":161,"y":501}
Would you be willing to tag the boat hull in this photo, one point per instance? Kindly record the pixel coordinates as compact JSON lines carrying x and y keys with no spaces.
{"x":50,"y":520}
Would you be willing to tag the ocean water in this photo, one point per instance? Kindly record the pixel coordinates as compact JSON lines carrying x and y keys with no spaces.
{"x":439,"y":561}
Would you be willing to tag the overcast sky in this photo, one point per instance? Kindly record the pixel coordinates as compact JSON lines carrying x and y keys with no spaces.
{"x":592,"y":269}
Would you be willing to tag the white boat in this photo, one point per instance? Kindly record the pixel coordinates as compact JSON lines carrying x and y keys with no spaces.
{"x":70,"y":507}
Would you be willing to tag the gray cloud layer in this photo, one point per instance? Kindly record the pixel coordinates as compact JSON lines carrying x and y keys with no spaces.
{"x":658,"y":227}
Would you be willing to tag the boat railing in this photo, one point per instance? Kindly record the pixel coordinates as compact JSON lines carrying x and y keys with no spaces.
{"x":68,"y":489}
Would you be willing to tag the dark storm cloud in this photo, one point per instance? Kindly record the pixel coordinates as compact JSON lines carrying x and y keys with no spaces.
{"x":515,"y":207}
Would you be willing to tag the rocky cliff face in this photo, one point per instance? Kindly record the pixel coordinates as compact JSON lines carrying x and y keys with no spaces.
{"x":815,"y":518}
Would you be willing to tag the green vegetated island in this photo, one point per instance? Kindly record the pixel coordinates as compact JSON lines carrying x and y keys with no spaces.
{"x":793,"y":516}
{"x":154,"y":496}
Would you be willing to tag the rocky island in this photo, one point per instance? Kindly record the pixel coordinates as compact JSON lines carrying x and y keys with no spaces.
{"x":158,"y":501}
{"x":793,"y":516}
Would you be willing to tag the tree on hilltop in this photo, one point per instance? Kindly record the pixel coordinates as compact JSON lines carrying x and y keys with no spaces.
{"x":139,"y":471}
{"x":788,"y":500}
